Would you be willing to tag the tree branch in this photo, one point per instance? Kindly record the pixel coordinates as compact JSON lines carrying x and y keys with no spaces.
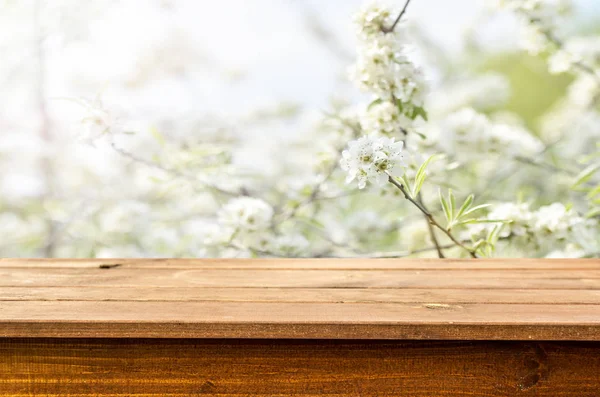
{"x":170,"y":171}
{"x":430,"y":217}
{"x":391,"y":28}
{"x":434,"y":239}
{"x":579,"y":64}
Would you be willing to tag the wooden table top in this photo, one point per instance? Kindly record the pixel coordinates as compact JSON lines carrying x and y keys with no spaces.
{"x":416,"y":299}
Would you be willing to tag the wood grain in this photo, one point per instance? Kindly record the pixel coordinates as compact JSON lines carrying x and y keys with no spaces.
{"x":306,"y":295}
{"x":305,"y":264}
{"x":300,"y":320}
{"x":415,"y":328}
{"x":325,"y":278}
{"x":169,"y":368}
{"x":337,"y":299}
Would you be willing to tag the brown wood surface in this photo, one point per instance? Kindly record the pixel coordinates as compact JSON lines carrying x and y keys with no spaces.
{"x":309,"y":298}
{"x":159,"y":367}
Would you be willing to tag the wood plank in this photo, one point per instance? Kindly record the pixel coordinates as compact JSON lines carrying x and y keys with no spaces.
{"x":432,"y":320}
{"x":306,"y":295}
{"x":170,"y":368}
{"x":254,"y":302}
{"x":262,"y":278}
{"x":307,"y":264}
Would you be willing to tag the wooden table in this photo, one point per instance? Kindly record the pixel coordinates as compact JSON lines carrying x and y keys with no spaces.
{"x":309,"y":327}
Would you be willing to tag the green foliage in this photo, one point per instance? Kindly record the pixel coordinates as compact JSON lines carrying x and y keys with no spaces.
{"x":585,"y":183}
{"x":411,"y":111}
{"x":534,"y":90}
{"x":460,"y":216}
{"x":486,"y":246}
{"x":415,"y":187}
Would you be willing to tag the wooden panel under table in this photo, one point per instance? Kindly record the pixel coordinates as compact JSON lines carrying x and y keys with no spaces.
{"x":300,"y":327}
{"x":176,"y":367}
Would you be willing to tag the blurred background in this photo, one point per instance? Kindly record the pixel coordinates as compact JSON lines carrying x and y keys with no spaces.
{"x":260,"y":71}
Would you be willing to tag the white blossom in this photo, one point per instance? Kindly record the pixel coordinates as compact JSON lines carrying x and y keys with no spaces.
{"x":517,"y":215}
{"x":539,"y":19}
{"x":467,"y":132}
{"x":372,"y":18}
{"x":246,"y":214}
{"x":384,"y":118}
{"x":373,"y":159}
{"x":290,"y":245}
{"x":571,"y":251}
{"x":555,"y":219}
{"x":546,"y":229}
{"x":462,"y":129}
{"x":560,"y":62}
{"x":533,"y":40}
{"x":243,"y":226}
{"x":383,"y":67}
{"x":579,"y":50}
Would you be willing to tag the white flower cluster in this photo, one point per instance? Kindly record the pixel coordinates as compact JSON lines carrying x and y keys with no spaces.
{"x":555,"y":220}
{"x":289,"y":245}
{"x":373,"y":158}
{"x":541,"y":230}
{"x":246,"y":215}
{"x":539,"y":17}
{"x":576,"y":50}
{"x":383,"y":67}
{"x":519,"y":215}
{"x":244,"y":224}
{"x":467,"y":131}
{"x":384,"y":118}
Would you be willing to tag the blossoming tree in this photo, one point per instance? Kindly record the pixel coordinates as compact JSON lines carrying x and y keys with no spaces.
{"x":418,"y":168}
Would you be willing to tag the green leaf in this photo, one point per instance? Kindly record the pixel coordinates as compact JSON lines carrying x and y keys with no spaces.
{"x":466,"y":205}
{"x":492,"y":237}
{"x":452,"y":203}
{"x":421,"y":175}
{"x":421,"y":135}
{"x":479,"y":244}
{"x":594,"y":192}
{"x":419,"y":111}
{"x":417,"y":187}
{"x":313,"y":222}
{"x":400,"y":105}
{"x":158,"y":136}
{"x":474,"y":221}
{"x":476,"y":208}
{"x":593,"y":213}
{"x":586,"y":175}
{"x":375,"y":102}
{"x":445,"y":207}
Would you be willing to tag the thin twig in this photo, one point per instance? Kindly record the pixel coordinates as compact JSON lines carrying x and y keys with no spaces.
{"x":434,"y":239}
{"x":167,"y":170}
{"x":579,"y":64}
{"x":431,"y":218}
{"x":544,"y":165}
{"x":391,"y":28}
{"x":316,"y":189}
